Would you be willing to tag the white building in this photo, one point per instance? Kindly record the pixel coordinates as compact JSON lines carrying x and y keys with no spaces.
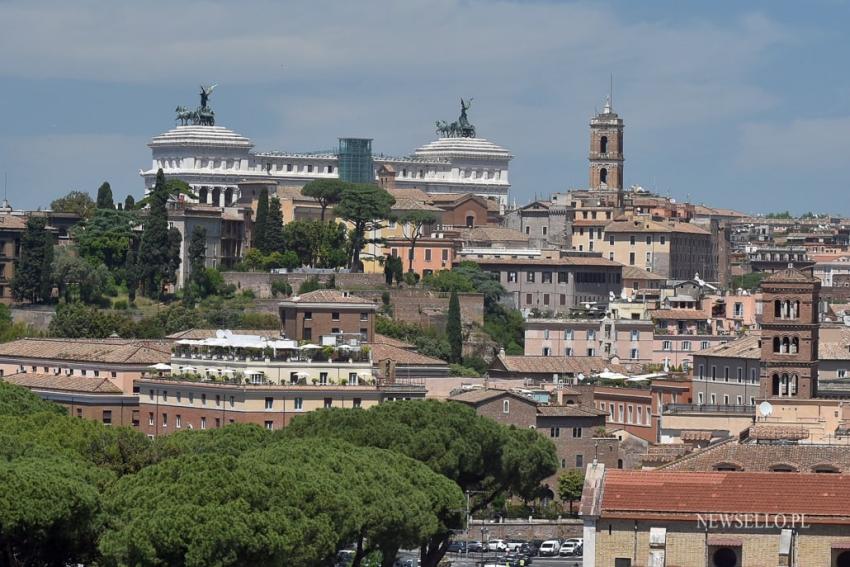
{"x":214,"y":159}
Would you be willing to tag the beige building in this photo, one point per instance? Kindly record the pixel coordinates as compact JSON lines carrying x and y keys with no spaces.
{"x":624,"y":338}
{"x":717,"y":519}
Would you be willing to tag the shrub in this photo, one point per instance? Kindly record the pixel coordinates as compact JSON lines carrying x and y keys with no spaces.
{"x":308,"y":285}
{"x":281,"y":287}
{"x":411,"y":278}
{"x":120,"y":304}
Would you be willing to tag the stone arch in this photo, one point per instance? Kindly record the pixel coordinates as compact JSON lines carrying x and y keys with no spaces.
{"x":603,"y":175}
{"x":216,"y":196}
{"x":724,"y":557}
{"x":228,"y":196}
{"x":203,"y":194}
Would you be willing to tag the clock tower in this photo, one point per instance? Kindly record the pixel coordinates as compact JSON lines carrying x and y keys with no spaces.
{"x":606,"y":150}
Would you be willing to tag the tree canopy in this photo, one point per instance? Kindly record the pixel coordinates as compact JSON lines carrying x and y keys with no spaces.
{"x":104,"y":197}
{"x":364,"y":206}
{"x":327,"y":192}
{"x":76,"y":202}
{"x":33,"y":279}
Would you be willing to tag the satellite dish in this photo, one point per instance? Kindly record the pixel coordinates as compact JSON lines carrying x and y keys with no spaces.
{"x":765,"y":409}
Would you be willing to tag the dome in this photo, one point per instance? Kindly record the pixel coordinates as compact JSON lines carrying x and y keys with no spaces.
{"x":206,"y":136}
{"x":475,"y":148}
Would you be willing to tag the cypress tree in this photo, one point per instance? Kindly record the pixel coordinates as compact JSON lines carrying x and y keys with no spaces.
{"x":274,"y":228}
{"x":453,"y":330}
{"x":261,"y":221}
{"x":104,"y":196}
{"x":154,"y":248}
{"x":129,"y":203}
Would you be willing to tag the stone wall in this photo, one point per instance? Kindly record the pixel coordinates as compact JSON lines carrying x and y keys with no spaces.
{"x":39,"y":317}
{"x":427,"y":308}
{"x":261,"y":282}
{"x":527,"y":529}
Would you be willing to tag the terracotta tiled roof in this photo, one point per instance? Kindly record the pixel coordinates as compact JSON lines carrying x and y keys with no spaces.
{"x":403,"y":356}
{"x":409,"y":204}
{"x":481,"y":395}
{"x":558,"y":364}
{"x":493,"y":233}
{"x":635,"y":273}
{"x":627,"y":493}
{"x":116,"y":351}
{"x":413,"y":193}
{"x":745,"y":347}
{"x":768,"y":432}
{"x":679,"y":314}
{"x":790,"y":275}
{"x":385,"y":340}
{"x":13,"y":222}
{"x":62,"y":382}
{"x":696,"y":435}
{"x":645,"y":226}
{"x":754,"y":457}
{"x":327,"y":296}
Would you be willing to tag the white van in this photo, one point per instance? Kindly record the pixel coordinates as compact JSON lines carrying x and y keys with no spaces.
{"x":549,"y":548}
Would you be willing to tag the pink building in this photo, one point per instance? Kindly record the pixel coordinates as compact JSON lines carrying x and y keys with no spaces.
{"x":629,"y":340}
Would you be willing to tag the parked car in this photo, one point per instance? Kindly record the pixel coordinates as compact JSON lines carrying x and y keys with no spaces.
{"x":497,"y":545}
{"x":534,"y":546}
{"x":568,"y":548}
{"x":549,"y":548}
{"x":456,"y":547}
{"x":475,"y":547}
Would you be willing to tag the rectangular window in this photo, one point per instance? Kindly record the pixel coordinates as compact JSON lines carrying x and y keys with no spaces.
{"x":591,"y":335}
{"x":178,"y":421}
{"x":738,"y":400}
{"x":217,"y":400}
{"x":547,"y":277}
{"x":323,"y":378}
{"x":554,"y":432}
{"x":666,"y":345}
{"x":529,"y":277}
{"x":699,"y":398}
{"x":427,"y":254}
{"x":335,"y":316}
{"x":203,"y":399}
{"x":528,"y":299}
{"x":165,"y":395}
{"x":269,"y":403}
{"x":635,"y":335}
{"x":203,"y":423}
{"x":357,"y":402}
{"x":512,"y":277}
{"x":562,"y":277}
{"x":713,"y":399}
{"x":740,"y":375}
{"x":328,"y":402}
{"x":842,"y":373}
{"x":299,"y":404}
{"x":545,"y":299}
{"x":269,"y":425}
{"x":150,"y":418}
{"x":191,"y":398}
{"x":217,"y":422}
{"x":308,"y":315}
{"x":568,"y":351}
{"x":179,"y":397}
{"x":686,"y":345}
{"x":232,"y":399}
{"x":307,"y":333}
{"x":579,"y":460}
{"x":165,"y":420}
{"x":630,"y":411}
{"x":634,"y":354}
{"x":577,"y":432}
{"x":107,"y":417}
{"x":631,"y":258}
{"x":150,"y":394}
{"x":701,"y":371}
{"x":445,"y":255}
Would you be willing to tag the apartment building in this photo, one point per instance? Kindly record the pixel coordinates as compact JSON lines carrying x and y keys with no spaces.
{"x":308,"y":316}
{"x":627,"y":339}
{"x":558,"y":284}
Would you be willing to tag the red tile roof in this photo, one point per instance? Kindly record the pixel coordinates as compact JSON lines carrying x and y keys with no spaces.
{"x":63,"y":383}
{"x":685,"y":494}
{"x":115,"y":351}
{"x":328,"y":296}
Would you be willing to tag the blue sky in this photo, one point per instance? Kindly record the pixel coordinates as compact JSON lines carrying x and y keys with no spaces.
{"x":734,"y":104}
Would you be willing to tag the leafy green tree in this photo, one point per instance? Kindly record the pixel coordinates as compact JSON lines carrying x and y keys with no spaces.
{"x":364,"y":206}
{"x":570,"y":486}
{"x":171,"y":189}
{"x":104,"y":197}
{"x":16,"y":401}
{"x":327,"y":192}
{"x":76,"y":202}
{"x":78,"y":280}
{"x":413,"y":224}
{"x":77,"y":320}
{"x":308,"y":285}
{"x":316,"y":243}
{"x":129,"y":203}
{"x":33,"y":279}
{"x":475,"y":452}
{"x":106,"y":237}
{"x":274,"y":227}
{"x":261,"y":221}
{"x":454,"y":331}
{"x":281,"y":287}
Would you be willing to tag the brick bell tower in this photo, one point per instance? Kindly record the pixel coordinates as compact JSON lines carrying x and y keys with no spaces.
{"x":789,"y":336}
{"x":606,"y":150}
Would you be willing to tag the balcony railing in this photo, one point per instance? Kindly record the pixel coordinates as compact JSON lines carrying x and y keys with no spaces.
{"x":671,"y":409}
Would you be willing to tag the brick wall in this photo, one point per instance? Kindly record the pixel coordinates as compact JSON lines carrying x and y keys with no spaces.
{"x":527,"y":530}
{"x":427,"y":308}
{"x":261,"y":282}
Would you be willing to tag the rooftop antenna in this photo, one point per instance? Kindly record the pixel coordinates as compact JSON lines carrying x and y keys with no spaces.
{"x":611,"y":91}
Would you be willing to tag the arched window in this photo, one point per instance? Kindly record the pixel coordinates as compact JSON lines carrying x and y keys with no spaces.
{"x":795,"y":345}
{"x":775,"y":388}
{"x":777,"y":309}
{"x":826,"y":469}
{"x":603,"y":145}
{"x":216,"y":196}
{"x":506,"y":406}
{"x":777,"y":344}
{"x":470,"y":221}
{"x":603,"y":175}
{"x":202,"y":195}
{"x":725,"y":466}
{"x":786,"y":344}
{"x":228,"y":196}
{"x":795,"y":310}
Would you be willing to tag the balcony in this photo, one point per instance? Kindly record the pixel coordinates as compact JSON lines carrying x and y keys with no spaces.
{"x":674,"y":409}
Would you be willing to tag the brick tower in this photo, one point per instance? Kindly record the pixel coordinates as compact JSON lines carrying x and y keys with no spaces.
{"x":789,"y":336}
{"x":606,"y":150}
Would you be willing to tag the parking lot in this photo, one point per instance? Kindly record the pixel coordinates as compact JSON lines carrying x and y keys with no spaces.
{"x":478,"y":559}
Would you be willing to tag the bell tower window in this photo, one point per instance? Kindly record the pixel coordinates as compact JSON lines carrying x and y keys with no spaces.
{"x":603,"y":175}
{"x":603,"y":145}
